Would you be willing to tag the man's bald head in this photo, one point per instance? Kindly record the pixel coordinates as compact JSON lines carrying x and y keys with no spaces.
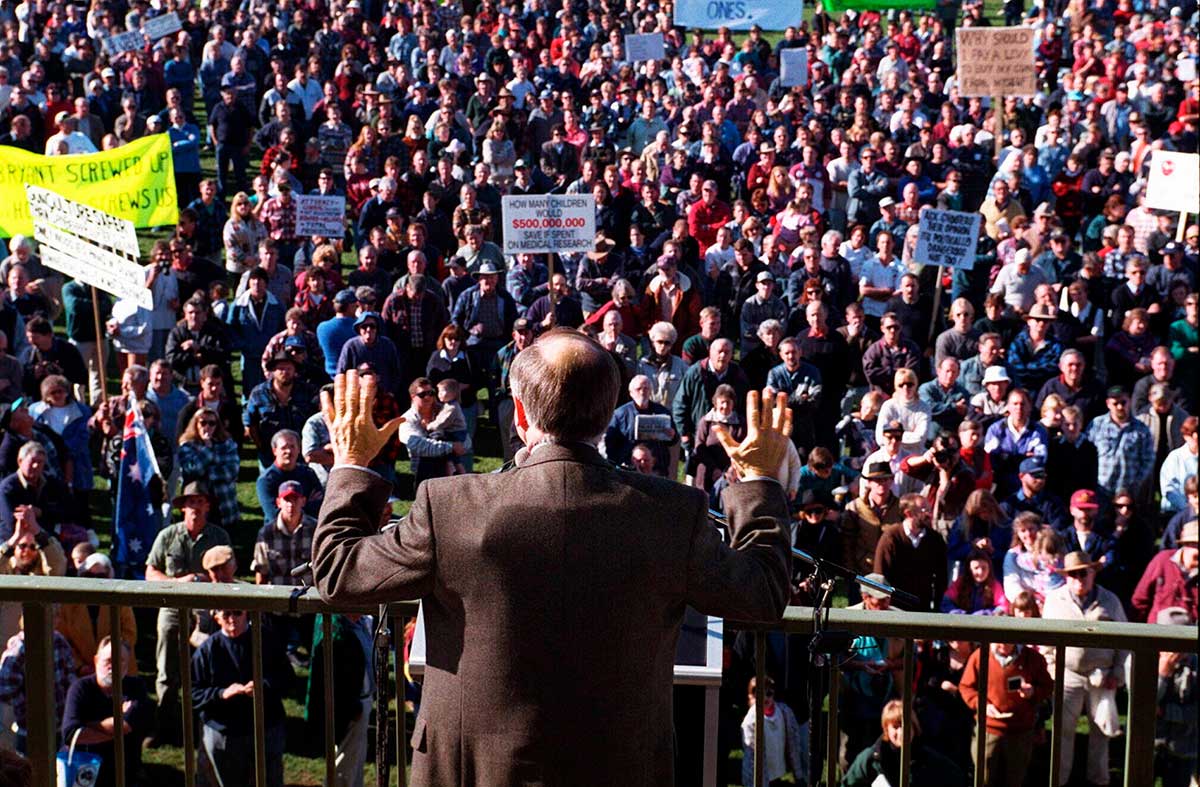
{"x":567,"y":384}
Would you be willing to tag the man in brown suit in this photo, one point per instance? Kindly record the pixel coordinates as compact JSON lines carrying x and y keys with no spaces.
{"x":553,"y":593}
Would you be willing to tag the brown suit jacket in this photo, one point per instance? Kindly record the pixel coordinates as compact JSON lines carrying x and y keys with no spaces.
{"x":553,"y":596}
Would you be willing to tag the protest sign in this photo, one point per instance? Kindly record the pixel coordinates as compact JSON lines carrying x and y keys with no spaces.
{"x":947,"y":238}
{"x":549,"y":223}
{"x":74,"y":238}
{"x":319,"y":215}
{"x":163,"y":25}
{"x":135,"y":182}
{"x":124,"y":42}
{"x":996,"y":61}
{"x":47,"y":207}
{"x":640,"y":48}
{"x":1174,"y":182}
{"x":793,"y":67}
{"x":737,"y":14}
{"x":1185,"y":69}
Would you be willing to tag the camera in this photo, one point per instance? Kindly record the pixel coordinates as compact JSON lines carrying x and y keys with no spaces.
{"x":943,"y":456}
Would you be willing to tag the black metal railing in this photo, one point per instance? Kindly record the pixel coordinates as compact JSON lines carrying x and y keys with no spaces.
{"x":38,"y":595}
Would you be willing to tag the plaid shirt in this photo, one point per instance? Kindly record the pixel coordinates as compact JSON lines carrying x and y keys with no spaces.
{"x":12,"y":676}
{"x":1125,"y":453}
{"x":217,"y":466}
{"x":277,"y":551}
{"x":280,"y":219}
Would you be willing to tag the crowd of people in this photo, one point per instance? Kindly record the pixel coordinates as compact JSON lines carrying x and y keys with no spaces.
{"x":1017,"y":438}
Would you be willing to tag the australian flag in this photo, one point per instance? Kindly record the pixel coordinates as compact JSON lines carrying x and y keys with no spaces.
{"x":137,"y":519}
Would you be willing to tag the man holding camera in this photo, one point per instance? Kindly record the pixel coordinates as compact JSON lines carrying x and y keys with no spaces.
{"x":1017,"y":684}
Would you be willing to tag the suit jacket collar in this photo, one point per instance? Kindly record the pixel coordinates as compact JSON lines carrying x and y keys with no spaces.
{"x":560,"y":452}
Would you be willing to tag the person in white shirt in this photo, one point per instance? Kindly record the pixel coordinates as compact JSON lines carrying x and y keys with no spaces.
{"x":880,"y":279}
{"x":68,"y":133}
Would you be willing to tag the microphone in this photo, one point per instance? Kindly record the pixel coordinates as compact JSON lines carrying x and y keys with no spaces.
{"x":896,"y":594}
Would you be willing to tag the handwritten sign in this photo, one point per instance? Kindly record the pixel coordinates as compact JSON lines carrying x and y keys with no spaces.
{"x":549,"y":223}
{"x":793,"y":67}
{"x":76,"y":240}
{"x":640,"y":48}
{"x":947,"y":238}
{"x":163,"y":25}
{"x":320,"y":215}
{"x":996,"y":61}
{"x":1174,"y":182}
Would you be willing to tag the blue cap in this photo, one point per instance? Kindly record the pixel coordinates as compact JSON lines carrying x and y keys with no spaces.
{"x":367,"y":316}
{"x":1076,"y":95}
{"x":1032,"y":465}
{"x":345,"y":297}
{"x":294,"y":341}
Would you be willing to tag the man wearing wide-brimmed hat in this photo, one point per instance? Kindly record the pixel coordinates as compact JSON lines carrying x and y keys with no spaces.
{"x":1090,"y":672}
{"x":178,"y":556}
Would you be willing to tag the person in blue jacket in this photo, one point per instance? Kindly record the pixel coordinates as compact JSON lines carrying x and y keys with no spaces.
{"x":255,"y":316}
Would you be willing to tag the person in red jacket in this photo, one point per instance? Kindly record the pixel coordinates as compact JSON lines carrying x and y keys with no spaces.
{"x":1169,"y":580}
{"x":707,"y":216}
{"x":1017,"y":683}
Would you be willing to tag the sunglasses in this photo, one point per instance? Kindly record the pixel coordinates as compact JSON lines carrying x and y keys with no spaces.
{"x":26,"y":547}
{"x":891,"y":327}
{"x":424,"y":394}
{"x":904,"y":385}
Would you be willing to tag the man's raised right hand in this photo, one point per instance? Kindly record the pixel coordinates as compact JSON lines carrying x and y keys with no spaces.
{"x":768,"y":430}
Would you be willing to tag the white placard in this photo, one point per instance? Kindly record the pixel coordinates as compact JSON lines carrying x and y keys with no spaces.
{"x":89,"y":223}
{"x":549,"y":223}
{"x":996,"y":61}
{"x":793,"y":67}
{"x":320,"y":215}
{"x":947,"y":238}
{"x":640,"y":48}
{"x":124,"y":42}
{"x":1185,"y":69}
{"x":163,"y":25}
{"x":90,"y":264}
{"x":1174,"y":182}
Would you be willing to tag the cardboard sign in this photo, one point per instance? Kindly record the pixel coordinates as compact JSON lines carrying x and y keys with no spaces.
{"x":1174,"y":182}
{"x":124,"y":42}
{"x":640,"y":48}
{"x":91,"y":224}
{"x":947,"y":238}
{"x":319,"y":215}
{"x":549,"y":223}
{"x":793,"y":67}
{"x":737,"y":14}
{"x":160,"y":26}
{"x":996,"y":61}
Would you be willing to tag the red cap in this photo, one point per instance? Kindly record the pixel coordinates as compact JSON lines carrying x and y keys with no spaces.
{"x":1084,"y":499}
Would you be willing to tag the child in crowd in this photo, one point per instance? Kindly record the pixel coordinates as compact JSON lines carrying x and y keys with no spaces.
{"x":450,"y":423}
{"x":783,"y":739}
{"x":218,"y":296}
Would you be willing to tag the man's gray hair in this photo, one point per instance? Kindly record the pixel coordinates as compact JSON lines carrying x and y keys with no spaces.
{"x":30,"y":449}
{"x":284,"y":434}
{"x":568,"y":385}
{"x":664,"y":330}
{"x":138,"y":373}
{"x":766,"y":326}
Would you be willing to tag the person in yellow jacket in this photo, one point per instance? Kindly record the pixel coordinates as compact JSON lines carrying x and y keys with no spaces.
{"x":84,"y":625}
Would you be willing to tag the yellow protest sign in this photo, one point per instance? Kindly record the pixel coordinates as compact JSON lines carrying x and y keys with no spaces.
{"x":135,"y":182}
